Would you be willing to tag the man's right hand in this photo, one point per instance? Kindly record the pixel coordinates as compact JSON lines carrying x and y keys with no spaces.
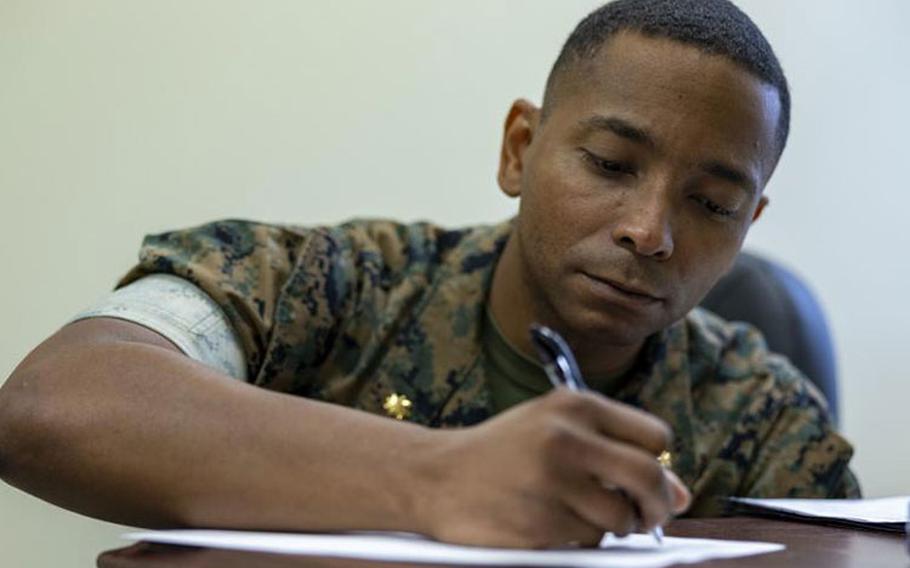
{"x":564,"y":467}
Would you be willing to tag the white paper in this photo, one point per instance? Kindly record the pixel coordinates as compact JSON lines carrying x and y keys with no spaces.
{"x":638,"y":551}
{"x":886,"y":510}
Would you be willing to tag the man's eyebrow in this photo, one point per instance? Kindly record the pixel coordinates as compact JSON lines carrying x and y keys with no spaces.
{"x":730,"y":174}
{"x":629,"y":131}
{"x":620,"y":128}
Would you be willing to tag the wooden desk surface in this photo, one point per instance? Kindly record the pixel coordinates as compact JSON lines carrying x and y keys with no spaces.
{"x":807,"y":545}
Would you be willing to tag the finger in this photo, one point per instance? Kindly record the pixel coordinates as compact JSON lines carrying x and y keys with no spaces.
{"x":680,"y":495}
{"x":565,"y":527}
{"x":607,"y":509}
{"x":616,"y":420}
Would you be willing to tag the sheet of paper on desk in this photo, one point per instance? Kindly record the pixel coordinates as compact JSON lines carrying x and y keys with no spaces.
{"x":636,"y":551}
{"x":889,"y":513}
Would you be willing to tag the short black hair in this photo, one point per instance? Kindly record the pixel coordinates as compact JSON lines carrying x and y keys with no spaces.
{"x":714,"y":26}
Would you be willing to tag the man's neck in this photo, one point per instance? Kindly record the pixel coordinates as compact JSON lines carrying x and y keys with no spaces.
{"x":515,"y":308}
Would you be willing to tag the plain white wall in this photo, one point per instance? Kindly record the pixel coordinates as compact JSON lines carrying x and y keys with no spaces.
{"x":119,"y":118}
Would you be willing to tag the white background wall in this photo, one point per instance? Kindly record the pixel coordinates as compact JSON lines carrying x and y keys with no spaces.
{"x":120,"y":117}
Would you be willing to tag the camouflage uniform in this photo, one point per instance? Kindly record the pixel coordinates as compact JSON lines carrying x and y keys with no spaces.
{"x":355,"y":313}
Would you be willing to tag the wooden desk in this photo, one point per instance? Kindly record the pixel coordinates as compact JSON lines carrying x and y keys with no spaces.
{"x":807,"y":545}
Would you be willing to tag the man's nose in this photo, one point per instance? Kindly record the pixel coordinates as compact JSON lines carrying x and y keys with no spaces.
{"x":644,"y":226}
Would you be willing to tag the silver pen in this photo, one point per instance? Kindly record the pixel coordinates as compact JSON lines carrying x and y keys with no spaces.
{"x":562,"y":369}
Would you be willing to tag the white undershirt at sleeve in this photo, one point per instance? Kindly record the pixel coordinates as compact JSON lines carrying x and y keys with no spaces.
{"x":180,"y":311}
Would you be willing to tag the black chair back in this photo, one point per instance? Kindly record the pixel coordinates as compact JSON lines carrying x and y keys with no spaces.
{"x":776,"y":301}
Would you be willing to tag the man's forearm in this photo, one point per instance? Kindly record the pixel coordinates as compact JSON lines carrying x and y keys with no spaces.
{"x":142,"y":435}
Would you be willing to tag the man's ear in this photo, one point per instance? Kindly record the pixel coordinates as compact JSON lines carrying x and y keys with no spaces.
{"x":518,"y":132}
{"x":762,"y":203}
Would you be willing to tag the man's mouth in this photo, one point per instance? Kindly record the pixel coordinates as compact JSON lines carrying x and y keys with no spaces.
{"x":630,"y":292}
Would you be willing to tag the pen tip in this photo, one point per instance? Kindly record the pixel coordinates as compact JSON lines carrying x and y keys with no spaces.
{"x":658,"y":533}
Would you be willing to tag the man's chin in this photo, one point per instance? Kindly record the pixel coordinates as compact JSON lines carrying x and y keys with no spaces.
{"x":620,"y":330}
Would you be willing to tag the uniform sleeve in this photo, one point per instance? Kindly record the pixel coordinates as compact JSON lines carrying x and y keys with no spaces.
{"x":801,"y":455}
{"x":242,"y":266}
{"x":181,"y":312}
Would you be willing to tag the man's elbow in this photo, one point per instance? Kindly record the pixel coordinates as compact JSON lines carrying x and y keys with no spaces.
{"x":7,"y":430}
{"x":5,"y":450}
{"x":20,"y":425}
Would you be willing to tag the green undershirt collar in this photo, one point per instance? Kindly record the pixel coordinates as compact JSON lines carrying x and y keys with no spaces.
{"x":513,"y":377}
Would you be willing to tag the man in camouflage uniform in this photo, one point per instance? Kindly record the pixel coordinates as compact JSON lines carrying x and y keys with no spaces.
{"x":638,"y":180}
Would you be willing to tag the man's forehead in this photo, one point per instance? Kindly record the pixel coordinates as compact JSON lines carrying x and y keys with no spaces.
{"x":664,"y":62}
{"x":648,"y":83}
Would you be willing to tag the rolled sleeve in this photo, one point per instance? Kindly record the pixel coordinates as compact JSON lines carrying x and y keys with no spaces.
{"x":180,"y":311}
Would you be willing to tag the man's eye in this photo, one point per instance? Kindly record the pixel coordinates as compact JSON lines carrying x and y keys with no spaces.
{"x":608,"y":167}
{"x":712,"y":207}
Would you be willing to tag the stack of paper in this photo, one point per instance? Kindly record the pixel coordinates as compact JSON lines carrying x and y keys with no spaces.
{"x":638,"y":551}
{"x":888,"y":514}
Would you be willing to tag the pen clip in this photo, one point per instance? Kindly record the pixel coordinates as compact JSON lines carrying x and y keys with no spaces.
{"x":557,"y":358}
